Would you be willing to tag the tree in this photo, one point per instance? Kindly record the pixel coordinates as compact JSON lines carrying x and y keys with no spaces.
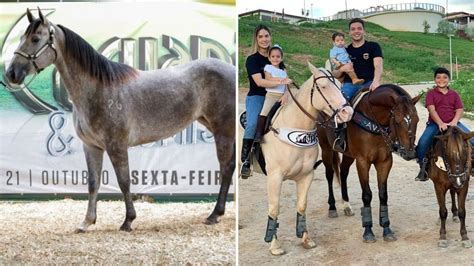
{"x":426,"y":27}
{"x":446,"y":27}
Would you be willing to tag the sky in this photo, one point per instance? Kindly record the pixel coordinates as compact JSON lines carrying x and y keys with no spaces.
{"x":323,"y":8}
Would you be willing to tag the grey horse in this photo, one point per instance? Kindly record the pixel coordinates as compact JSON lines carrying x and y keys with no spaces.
{"x":116,"y":106}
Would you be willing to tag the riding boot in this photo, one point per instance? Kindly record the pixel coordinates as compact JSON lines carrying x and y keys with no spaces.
{"x":354,"y":78}
{"x":260,"y":128}
{"x":422,"y":175}
{"x":245,"y":171}
{"x":339,"y":144}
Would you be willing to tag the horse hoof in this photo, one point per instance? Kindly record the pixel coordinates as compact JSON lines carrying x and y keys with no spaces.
{"x":332,"y":214}
{"x":211,"y":220}
{"x":277,"y":252}
{"x":443,"y":243}
{"x":79,"y":231}
{"x":369,"y":238}
{"x":466,"y":243}
{"x":456,"y":219}
{"x":390,"y":238}
{"x":125,"y":228}
{"x":348,"y":211}
{"x":308,"y":243}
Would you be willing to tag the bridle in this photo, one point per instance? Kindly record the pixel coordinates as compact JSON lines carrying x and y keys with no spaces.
{"x":32,"y":59}
{"x":335,"y":111}
{"x":457,"y":179}
{"x":392,"y":139}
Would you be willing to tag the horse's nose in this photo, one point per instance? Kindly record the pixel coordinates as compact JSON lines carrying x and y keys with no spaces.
{"x":345,"y":114}
{"x":10,"y":74}
{"x":15,"y":75}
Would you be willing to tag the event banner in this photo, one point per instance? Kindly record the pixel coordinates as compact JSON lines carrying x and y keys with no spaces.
{"x":39,"y":149}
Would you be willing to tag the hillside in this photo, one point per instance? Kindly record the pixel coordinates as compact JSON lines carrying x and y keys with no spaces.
{"x":408,"y":56}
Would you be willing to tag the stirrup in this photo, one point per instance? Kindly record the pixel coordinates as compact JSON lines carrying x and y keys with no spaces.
{"x":339,"y":145}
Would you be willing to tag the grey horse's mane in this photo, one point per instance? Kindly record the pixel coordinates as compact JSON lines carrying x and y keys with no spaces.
{"x":99,"y":67}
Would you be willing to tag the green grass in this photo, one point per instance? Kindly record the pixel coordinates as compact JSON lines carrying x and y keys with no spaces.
{"x":409,"y":57}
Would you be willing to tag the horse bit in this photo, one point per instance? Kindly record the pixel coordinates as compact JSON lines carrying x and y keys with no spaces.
{"x":32,"y":59}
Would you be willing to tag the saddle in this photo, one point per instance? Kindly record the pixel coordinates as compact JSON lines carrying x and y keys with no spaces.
{"x":338,"y":137}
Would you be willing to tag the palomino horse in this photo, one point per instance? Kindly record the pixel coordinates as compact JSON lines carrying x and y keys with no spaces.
{"x":452,"y":153}
{"x":283,"y":161}
{"x":393,"y":118}
{"x":146,"y":106}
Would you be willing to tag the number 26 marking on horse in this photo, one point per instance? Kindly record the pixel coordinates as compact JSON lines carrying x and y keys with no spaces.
{"x":118,"y":105}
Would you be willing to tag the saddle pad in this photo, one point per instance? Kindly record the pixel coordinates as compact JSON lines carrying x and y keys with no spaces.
{"x":297,"y":137}
{"x":359,"y":95}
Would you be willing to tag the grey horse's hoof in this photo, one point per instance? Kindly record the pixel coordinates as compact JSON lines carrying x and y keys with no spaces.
{"x":212,"y":219}
{"x":456,"y":219}
{"x":348,"y":211}
{"x":126,"y":228}
{"x":332,"y":214}
{"x":79,"y":231}
{"x":466,"y":243}
{"x":443,"y":243}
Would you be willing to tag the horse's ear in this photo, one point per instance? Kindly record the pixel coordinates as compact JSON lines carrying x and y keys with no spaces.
{"x":42,"y":18}
{"x":416,"y":98}
{"x":468,"y":135}
{"x":313,"y":69}
{"x":29,"y":15}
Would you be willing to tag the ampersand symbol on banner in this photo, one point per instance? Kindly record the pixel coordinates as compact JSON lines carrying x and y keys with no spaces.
{"x":57,"y":143}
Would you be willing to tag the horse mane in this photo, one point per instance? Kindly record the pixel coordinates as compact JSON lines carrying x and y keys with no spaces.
{"x":456,"y":141}
{"x":397,"y":89}
{"x":97,"y":65}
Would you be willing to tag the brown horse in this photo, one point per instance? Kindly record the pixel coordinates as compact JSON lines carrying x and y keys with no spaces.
{"x":393,"y":120}
{"x":452,"y":152}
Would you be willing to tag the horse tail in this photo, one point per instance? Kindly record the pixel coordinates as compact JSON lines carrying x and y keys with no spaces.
{"x":336,"y":166}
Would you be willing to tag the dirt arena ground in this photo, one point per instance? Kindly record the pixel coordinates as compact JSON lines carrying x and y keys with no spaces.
{"x":170,"y":233}
{"x":413,"y":213}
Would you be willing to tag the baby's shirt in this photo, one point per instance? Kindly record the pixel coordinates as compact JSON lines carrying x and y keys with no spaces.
{"x":340,"y":54}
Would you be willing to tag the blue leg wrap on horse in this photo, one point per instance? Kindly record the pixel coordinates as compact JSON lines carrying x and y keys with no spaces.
{"x":272,"y":226}
{"x":300,"y":225}
{"x":384,"y":220}
{"x":366,"y":213}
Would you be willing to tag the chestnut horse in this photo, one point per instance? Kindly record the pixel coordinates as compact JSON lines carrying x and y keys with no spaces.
{"x":452,"y":153}
{"x":394,"y":119}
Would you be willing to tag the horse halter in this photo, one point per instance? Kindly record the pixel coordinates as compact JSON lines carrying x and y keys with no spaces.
{"x":32,"y":57}
{"x":331,"y":78}
{"x":457,"y":179}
